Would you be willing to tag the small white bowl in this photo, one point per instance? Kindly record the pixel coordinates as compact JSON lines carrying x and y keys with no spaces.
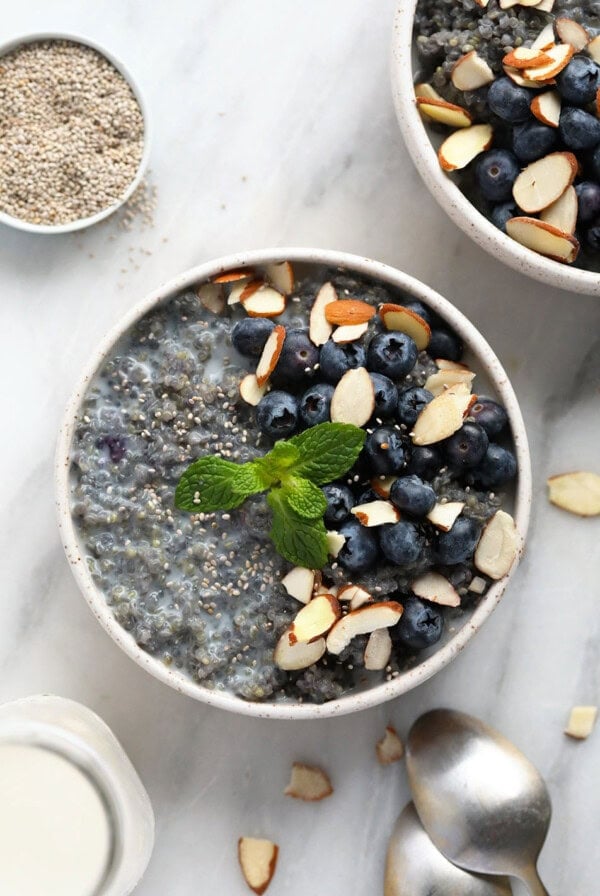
{"x":485,"y":362}
{"x":80,"y":223}
{"x":422,"y":145}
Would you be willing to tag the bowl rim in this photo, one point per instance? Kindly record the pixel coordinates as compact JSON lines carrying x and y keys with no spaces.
{"x":444,"y":189}
{"x":80,"y":223}
{"x":350,"y":702}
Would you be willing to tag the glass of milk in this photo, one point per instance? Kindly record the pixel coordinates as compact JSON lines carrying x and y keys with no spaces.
{"x":75,"y":819}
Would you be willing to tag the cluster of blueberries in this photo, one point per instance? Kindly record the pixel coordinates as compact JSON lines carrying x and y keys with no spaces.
{"x":300,"y":401}
{"x":527,"y":139}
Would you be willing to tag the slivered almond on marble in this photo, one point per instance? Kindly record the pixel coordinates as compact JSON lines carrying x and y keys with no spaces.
{"x":376,"y":513}
{"x":443,"y":516}
{"x":356,"y":595}
{"x":353,"y":400}
{"x":403,"y":320}
{"x":445,"y":113}
{"x":315,"y":619}
{"x":581,"y":722}
{"x":526,"y":57}
{"x":378,"y":650}
{"x":299,"y":583}
{"x":363,"y":621}
{"x":281,"y":276}
{"x":461,"y":147}
{"x":436,"y":588}
{"x":251,"y":391}
{"x":344,"y":312}
{"x":292,"y":657}
{"x":498,"y":546}
{"x":232,"y":276}
{"x":542,"y":182}
{"x":265,"y":301}
{"x":270,"y":355}
{"x":309,"y":783}
{"x":258,"y":860}
{"x":571,"y":32}
{"x":543,"y":238}
{"x":390,"y":748}
{"x":349,"y":333}
{"x":438,"y":382}
{"x":470,"y":72}
{"x":546,"y":107}
{"x":211,"y":296}
{"x":563,"y":213}
{"x":578,"y":493}
{"x":319,"y":329}
{"x":382,"y":485}
{"x":443,"y":416}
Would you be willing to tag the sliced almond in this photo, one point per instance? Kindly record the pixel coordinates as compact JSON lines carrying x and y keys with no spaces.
{"x":546,"y":107}
{"x":263,"y":302}
{"x":299,"y":583}
{"x":343,"y":312}
{"x":356,"y":595}
{"x":363,"y":621}
{"x":471,"y":72}
{"x":292,"y":657}
{"x":390,"y":748}
{"x":327,"y":589}
{"x":542,"y":182}
{"x":403,"y":320}
{"x":308,"y":783}
{"x":463,"y":146}
{"x":508,"y":4}
{"x":382,"y":485}
{"x":250,"y":390}
{"x":581,"y":722}
{"x":545,"y":38}
{"x":545,"y":5}
{"x":498,"y":546}
{"x":320,"y":329}
{"x":436,"y":588}
{"x":443,"y":516}
{"x":237,"y":290}
{"x":211,"y":296}
{"x":571,"y":32}
{"x":281,"y":276}
{"x":378,"y":650}
{"x":353,"y":400}
{"x":376,"y":513}
{"x":560,"y":54}
{"x":445,"y":364}
{"x":482,"y":3}
{"x":234,"y":275}
{"x":270,"y":355}
{"x":428,"y":92}
{"x":477,"y":585}
{"x":445,"y":113}
{"x":443,"y":416}
{"x":349,"y":333}
{"x":518,"y":78}
{"x":258,"y":860}
{"x":543,"y":238}
{"x":578,"y":493}
{"x":436,"y":383}
{"x":562,"y":214}
{"x":335,"y":543}
{"x":593,"y":48}
{"x":315,"y":619}
{"x":526,"y":57}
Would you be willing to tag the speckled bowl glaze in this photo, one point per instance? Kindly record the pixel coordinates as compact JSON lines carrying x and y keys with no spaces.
{"x":81,"y":223}
{"x":485,"y":361}
{"x":422,"y":145}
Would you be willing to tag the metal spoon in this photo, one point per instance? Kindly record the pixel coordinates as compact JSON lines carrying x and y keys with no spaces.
{"x":483,"y":803}
{"x":414,"y":867}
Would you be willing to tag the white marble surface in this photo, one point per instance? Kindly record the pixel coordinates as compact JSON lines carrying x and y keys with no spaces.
{"x":273,"y":125}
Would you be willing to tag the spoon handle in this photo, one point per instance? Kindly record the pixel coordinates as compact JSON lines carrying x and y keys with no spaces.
{"x":531,"y":879}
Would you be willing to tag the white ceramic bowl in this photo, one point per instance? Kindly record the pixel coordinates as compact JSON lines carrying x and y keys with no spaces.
{"x":422,"y":144}
{"x":488,"y":368}
{"x":80,"y":223}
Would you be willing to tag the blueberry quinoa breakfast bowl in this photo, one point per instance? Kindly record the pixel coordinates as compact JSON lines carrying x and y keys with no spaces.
{"x":283,"y":486}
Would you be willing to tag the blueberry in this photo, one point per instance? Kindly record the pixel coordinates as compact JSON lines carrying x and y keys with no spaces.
{"x":277,"y":414}
{"x":489,"y":414}
{"x":445,"y":344}
{"x":459,"y":543}
{"x":340,"y":502}
{"x":578,"y":82}
{"x":412,"y":495}
{"x":592,"y":236}
{"x":410,"y":404}
{"x":495,"y":173}
{"x":250,"y":334}
{"x":466,"y":447}
{"x":336,"y":360}
{"x":298,"y":356}
{"x":588,"y":197}
{"x":392,"y":354}
{"x":116,"y":447}
{"x":386,"y":396}
{"x":502,"y":213}
{"x":315,"y":404}
{"x":595,"y":163}
{"x":532,"y":140}
{"x":359,"y":551}
{"x":402,"y":543}
{"x":498,"y":466}
{"x":425,"y":461}
{"x":384,"y":451}
{"x":578,"y":129}
{"x":366,"y":496}
{"x":508,"y":101}
{"x":422,"y":310}
{"x":421,"y":624}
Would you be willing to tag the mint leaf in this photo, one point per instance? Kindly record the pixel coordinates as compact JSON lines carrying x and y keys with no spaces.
{"x":327,"y":451}
{"x":304,"y":497}
{"x":303,"y":542}
{"x":281,"y":458}
{"x":212,"y":483}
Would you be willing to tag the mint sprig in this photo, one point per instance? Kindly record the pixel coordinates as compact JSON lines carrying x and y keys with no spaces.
{"x":291,"y":473}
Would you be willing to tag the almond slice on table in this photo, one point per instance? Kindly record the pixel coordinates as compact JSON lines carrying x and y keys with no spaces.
{"x":234,"y":275}
{"x":561,"y":55}
{"x":546,"y":107}
{"x":518,"y":78}
{"x":315,"y":619}
{"x":211,"y":297}
{"x":258,"y":860}
{"x":443,"y":416}
{"x":498,"y":546}
{"x":263,"y":302}
{"x":353,"y":400}
{"x":335,"y":543}
{"x":581,"y":722}
{"x":382,"y":485}
{"x":363,"y":621}
{"x":471,"y":72}
{"x":543,"y":238}
{"x":545,"y":38}
{"x":443,"y":516}
{"x":309,"y":783}
{"x":319,"y":329}
{"x":463,"y":146}
{"x":436,"y":588}
{"x":444,"y":113}
{"x":563,"y":213}
{"x":356,"y":595}
{"x":270,"y":355}
{"x":526,"y":57}
{"x":436,"y":383}
{"x":281,"y":276}
{"x":251,"y":391}
{"x":579,"y":492}
{"x":403,"y":320}
{"x":349,"y":333}
{"x":299,"y":583}
{"x":571,"y":32}
{"x":293,"y":657}
{"x":593,"y":48}
{"x":378,"y":650}
{"x":477,"y":585}
{"x":343,"y":312}
{"x":376,"y":513}
{"x":427,"y":91}
{"x":390,"y":748}
{"x":542,"y":182}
